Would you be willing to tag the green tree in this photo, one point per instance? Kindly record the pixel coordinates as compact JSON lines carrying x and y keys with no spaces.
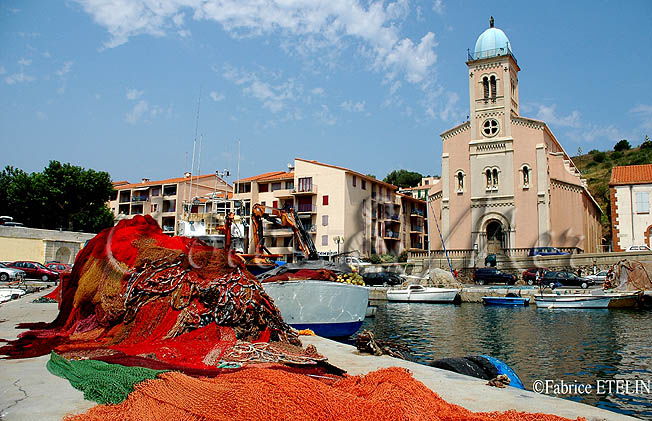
{"x":62,"y":196}
{"x":622,"y":145}
{"x":647,"y":143}
{"x":403,"y":178}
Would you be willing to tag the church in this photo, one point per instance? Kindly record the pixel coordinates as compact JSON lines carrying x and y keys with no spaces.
{"x":507,"y":183}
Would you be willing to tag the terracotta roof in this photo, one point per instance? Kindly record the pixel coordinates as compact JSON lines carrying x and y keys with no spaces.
{"x":268,"y":176}
{"x":631,"y":174}
{"x":282,"y":176}
{"x":168,"y":181}
{"x":119,"y":183}
{"x":366,"y":177}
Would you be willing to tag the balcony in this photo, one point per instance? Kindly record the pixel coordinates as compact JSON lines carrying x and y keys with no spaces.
{"x":305,"y":189}
{"x":283,"y":193}
{"x":416,"y":229}
{"x":392,"y":219}
{"x":391,"y":235}
{"x":494,"y":52}
{"x":306,"y":208}
{"x":417,"y":212}
{"x":136,"y":199}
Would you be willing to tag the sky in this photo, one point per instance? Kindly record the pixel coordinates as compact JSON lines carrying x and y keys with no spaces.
{"x":129,"y":86}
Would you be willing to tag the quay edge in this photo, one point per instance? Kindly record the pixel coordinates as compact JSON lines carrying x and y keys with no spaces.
{"x":468,"y":392}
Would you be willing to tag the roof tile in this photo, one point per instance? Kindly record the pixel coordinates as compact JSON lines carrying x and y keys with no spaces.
{"x":631,"y":174}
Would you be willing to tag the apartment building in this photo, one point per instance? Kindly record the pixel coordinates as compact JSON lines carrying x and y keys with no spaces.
{"x":164,"y":200}
{"x":343,"y":210}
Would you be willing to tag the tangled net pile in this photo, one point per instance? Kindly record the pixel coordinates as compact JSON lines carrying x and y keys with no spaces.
{"x":157,"y":327}
{"x":135,"y":292}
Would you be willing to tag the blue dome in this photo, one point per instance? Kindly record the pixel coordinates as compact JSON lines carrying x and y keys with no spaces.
{"x":491,"y":43}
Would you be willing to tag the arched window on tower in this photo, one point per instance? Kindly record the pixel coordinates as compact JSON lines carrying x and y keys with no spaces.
{"x":488,"y":174}
{"x":485,"y":88}
{"x":526,"y":176}
{"x":495,"y":179}
{"x":460,"y":182}
{"x":493,"y":88}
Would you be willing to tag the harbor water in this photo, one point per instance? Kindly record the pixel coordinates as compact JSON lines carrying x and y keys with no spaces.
{"x":607,"y":349}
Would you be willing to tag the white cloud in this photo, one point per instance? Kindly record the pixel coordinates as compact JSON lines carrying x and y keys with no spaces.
{"x":317,"y":91}
{"x":137,"y":112}
{"x":217,"y":97}
{"x":274,"y":97}
{"x":438,"y":7}
{"x":67,"y":66}
{"x":352,"y":107}
{"x":644,"y":112}
{"x":61,"y":90}
{"x":330,"y":22}
{"x":41,"y":115}
{"x":324,"y":115}
{"x":134,"y":94}
{"x":18,"y":78}
{"x":2,"y":70}
{"x":549,"y":115}
{"x":24,"y":62}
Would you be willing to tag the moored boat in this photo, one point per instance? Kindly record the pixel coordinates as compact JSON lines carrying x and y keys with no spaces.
{"x":330,"y":309}
{"x":419,"y":293}
{"x":595,"y":300}
{"x":506,"y":301}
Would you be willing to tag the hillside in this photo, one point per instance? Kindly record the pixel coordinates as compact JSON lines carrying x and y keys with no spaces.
{"x":596,"y":168}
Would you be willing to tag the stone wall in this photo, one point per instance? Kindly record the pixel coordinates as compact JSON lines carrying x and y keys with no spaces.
{"x":40,"y":245}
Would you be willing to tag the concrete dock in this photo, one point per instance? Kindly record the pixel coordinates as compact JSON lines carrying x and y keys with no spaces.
{"x":28,"y":391}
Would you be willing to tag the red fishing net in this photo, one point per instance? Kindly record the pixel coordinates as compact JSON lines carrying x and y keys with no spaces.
{"x":136,"y":291}
{"x":266,"y":394}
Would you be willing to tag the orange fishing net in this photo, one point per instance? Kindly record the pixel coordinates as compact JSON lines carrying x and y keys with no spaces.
{"x":267,"y":394}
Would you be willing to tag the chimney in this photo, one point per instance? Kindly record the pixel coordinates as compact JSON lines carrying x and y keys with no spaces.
{"x":186,"y":174}
{"x":145,"y":180}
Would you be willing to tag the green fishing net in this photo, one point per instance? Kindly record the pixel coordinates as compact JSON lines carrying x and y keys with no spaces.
{"x":101,"y":382}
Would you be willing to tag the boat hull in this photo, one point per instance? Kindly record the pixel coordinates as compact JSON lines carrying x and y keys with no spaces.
{"x":330,"y":309}
{"x":430,"y":295}
{"x":506,"y":301}
{"x":614,"y":300}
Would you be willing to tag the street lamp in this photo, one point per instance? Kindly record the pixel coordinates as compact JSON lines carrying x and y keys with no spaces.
{"x":338,"y":240}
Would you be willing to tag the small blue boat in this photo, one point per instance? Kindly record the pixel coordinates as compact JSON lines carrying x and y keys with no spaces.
{"x":506,"y":301}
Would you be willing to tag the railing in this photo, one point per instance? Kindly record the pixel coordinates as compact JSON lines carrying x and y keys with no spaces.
{"x":416,"y":212}
{"x":140,"y":199}
{"x":494,"y":52}
{"x":307,"y":208}
{"x":310,"y":188}
{"x":391,"y":234}
{"x":416,"y":228}
{"x":525,"y":251}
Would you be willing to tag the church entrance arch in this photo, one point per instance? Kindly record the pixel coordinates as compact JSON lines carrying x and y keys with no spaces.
{"x":495,"y":236}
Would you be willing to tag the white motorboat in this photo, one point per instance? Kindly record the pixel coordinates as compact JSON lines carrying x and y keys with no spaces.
{"x":419,"y":293}
{"x":330,"y":309}
{"x":7,"y":294}
{"x":598,"y":299}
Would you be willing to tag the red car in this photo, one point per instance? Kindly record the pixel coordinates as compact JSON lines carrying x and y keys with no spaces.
{"x":35,"y":270}
{"x":60,"y":268}
{"x":530,"y":275}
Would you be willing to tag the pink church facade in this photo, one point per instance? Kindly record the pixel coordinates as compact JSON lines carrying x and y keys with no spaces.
{"x":507,"y":182}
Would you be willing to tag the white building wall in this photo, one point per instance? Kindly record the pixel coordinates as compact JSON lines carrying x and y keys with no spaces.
{"x":632,"y":225}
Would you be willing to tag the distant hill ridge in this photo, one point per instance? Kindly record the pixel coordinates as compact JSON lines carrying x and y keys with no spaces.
{"x":596,"y":166}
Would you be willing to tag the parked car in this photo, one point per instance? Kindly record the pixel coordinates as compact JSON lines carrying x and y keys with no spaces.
{"x":566,"y":279}
{"x":530,"y":275}
{"x":546,"y":251}
{"x":10,"y":274}
{"x":354,"y":261}
{"x":492,"y":275}
{"x":60,"y":268}
{"x":638,"y":247}
{"x":598,"y":277}
{"x":35,"y":270}
{"x":382,"y":278}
